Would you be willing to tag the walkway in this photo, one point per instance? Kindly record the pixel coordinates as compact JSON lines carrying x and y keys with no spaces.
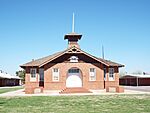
{"x":138,"y":88}
{"x":128,"y":90}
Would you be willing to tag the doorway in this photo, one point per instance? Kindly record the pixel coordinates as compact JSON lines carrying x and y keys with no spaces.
{"x":74,"y":78}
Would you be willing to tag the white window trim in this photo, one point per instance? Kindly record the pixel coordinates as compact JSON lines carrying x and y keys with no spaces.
{"x":55,"y":75}
{"x":92,"y":75}
{"x":33,"y":79}
{"x":112,"y":78}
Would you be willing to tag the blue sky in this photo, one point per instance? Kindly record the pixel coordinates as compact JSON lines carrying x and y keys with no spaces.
{"x":31,"y":29}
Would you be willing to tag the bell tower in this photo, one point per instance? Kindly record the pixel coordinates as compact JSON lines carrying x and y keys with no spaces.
{"x":73,"y":37}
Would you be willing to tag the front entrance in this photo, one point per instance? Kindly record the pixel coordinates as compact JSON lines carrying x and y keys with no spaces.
{"x":74,"y":78}
{"x":41,"y":79}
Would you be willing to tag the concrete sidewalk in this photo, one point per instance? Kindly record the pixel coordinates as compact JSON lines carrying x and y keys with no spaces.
{"x":21,"y":92}
{"x":9,"y":87}
{"x":138,"y":88}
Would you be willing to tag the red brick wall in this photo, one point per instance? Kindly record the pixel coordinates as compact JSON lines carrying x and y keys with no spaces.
{"x":63,"y":70}
{"x":64,"y":67}
{"x":115,"y":82}
{"x":30,"y":86}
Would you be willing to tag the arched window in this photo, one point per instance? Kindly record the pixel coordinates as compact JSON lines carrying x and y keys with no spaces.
{"x":73,"y":59}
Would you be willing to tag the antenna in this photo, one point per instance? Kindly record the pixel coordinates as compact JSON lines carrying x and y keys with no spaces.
{"x":73,"y":23}
{"x":102,"y":51}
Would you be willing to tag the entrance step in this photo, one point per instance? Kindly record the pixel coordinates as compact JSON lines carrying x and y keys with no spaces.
{"x":74,"y":90}
{"x":38,"y":90}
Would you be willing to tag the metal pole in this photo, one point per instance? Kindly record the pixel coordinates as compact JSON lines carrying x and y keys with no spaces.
{"x":73,"y":23}
{"x":102,"y":51}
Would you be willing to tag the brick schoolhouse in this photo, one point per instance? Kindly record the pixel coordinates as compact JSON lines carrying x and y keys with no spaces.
{"x":71,"y":70}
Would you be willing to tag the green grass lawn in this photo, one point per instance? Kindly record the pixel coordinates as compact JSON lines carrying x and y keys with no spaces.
{"x":77,"y":104}
{"x":4,"y":90}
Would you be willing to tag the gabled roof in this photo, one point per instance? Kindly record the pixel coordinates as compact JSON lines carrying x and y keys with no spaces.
{"x":111,"y":63}
{"x":136,"y":75}
{"x":8,"y":76}
{"x":42,"y":61}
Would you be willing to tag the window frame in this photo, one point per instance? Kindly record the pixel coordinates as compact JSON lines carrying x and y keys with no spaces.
{"x":55,"y":74}
{"x":92,"y":74}
{"x":33,"y":78}
{"x":111,"y":74}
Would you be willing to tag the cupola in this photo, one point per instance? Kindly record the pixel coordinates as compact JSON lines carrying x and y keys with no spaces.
{"x":73,"y":37}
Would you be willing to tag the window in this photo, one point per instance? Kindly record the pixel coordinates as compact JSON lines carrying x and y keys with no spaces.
{"x":55,"y":75}
{"x":74,"y":70}
{"x":92,"y":74}
{"x":111,"y":73}
{"x":73,"y":59}
{"x":33,"y":74}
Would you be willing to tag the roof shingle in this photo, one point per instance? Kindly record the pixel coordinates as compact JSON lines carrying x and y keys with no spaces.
{"x":44,"y":60}
{"x":40,"y":61}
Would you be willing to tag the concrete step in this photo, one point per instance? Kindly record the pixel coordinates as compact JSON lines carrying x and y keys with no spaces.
{"x":38,"y":90}
{"x":74,"y":90}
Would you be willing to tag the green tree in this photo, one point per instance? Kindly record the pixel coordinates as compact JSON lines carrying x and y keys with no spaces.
{"x":122,"y":73}
{"x":21,"y":74}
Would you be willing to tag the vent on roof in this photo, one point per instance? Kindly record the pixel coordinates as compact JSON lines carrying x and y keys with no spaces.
{"x":74,"y":50}
{"x":73,"y":59}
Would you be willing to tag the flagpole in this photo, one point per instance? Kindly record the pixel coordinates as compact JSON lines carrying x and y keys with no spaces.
{"x":73,"y":23}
